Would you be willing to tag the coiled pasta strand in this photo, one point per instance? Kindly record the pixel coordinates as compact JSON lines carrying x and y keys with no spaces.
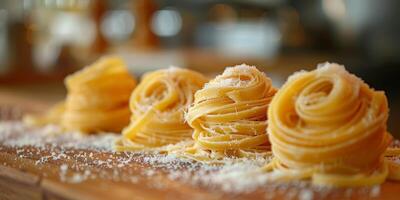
{"x":97,"y":99}
{"x":329,"y":126}
{"x":229,"y":116}
{"x":158,"y":105}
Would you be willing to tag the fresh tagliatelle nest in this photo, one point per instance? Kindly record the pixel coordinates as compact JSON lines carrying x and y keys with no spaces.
{"x":322,"y":128}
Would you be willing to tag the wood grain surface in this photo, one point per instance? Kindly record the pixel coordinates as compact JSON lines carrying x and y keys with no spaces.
{"x":22,"y":176}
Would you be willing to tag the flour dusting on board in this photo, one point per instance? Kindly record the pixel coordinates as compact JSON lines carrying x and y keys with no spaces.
{"x":84,"y":157}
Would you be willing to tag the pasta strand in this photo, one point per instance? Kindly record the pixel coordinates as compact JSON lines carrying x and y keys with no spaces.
{"x":158,"y":105}
{"x":97,"y":99}
{"x":328,"y":126}
{"x":229,"y":117}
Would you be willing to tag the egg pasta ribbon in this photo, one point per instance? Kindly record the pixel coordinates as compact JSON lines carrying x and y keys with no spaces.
{"x":97,"y":99}
{"x":158,"y":105}
{"x":229,"y":116}
{"x":329,"y":126}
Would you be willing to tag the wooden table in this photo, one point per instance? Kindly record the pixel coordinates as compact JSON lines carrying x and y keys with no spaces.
{"x":23,"y":175}
{"x":23,"y":178}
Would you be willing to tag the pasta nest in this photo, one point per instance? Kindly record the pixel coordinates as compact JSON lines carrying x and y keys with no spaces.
{"x":328,"y":125}
{"x":229,"y":115}
{"x":97,"y":99}
{"x":158,"y":106}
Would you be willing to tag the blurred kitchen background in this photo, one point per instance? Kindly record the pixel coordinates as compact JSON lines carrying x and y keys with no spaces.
{"x":41,"y":41}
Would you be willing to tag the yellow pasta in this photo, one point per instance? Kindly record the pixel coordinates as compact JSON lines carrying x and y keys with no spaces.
{"x":229,"y":116}
{"x":158,"y":105}
{"x":328,"y":126}
{"x":97,"y":99}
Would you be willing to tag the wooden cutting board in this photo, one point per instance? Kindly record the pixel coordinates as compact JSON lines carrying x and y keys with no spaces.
{"x":24,"y":175}
{"x":22,"y":178}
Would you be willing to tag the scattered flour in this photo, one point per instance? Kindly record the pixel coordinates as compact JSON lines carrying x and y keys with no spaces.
{"x":82,"y":157}
{"x":226,"y":79}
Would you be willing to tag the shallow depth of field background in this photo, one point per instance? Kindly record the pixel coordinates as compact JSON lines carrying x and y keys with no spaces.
{"x":42,"y":41}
